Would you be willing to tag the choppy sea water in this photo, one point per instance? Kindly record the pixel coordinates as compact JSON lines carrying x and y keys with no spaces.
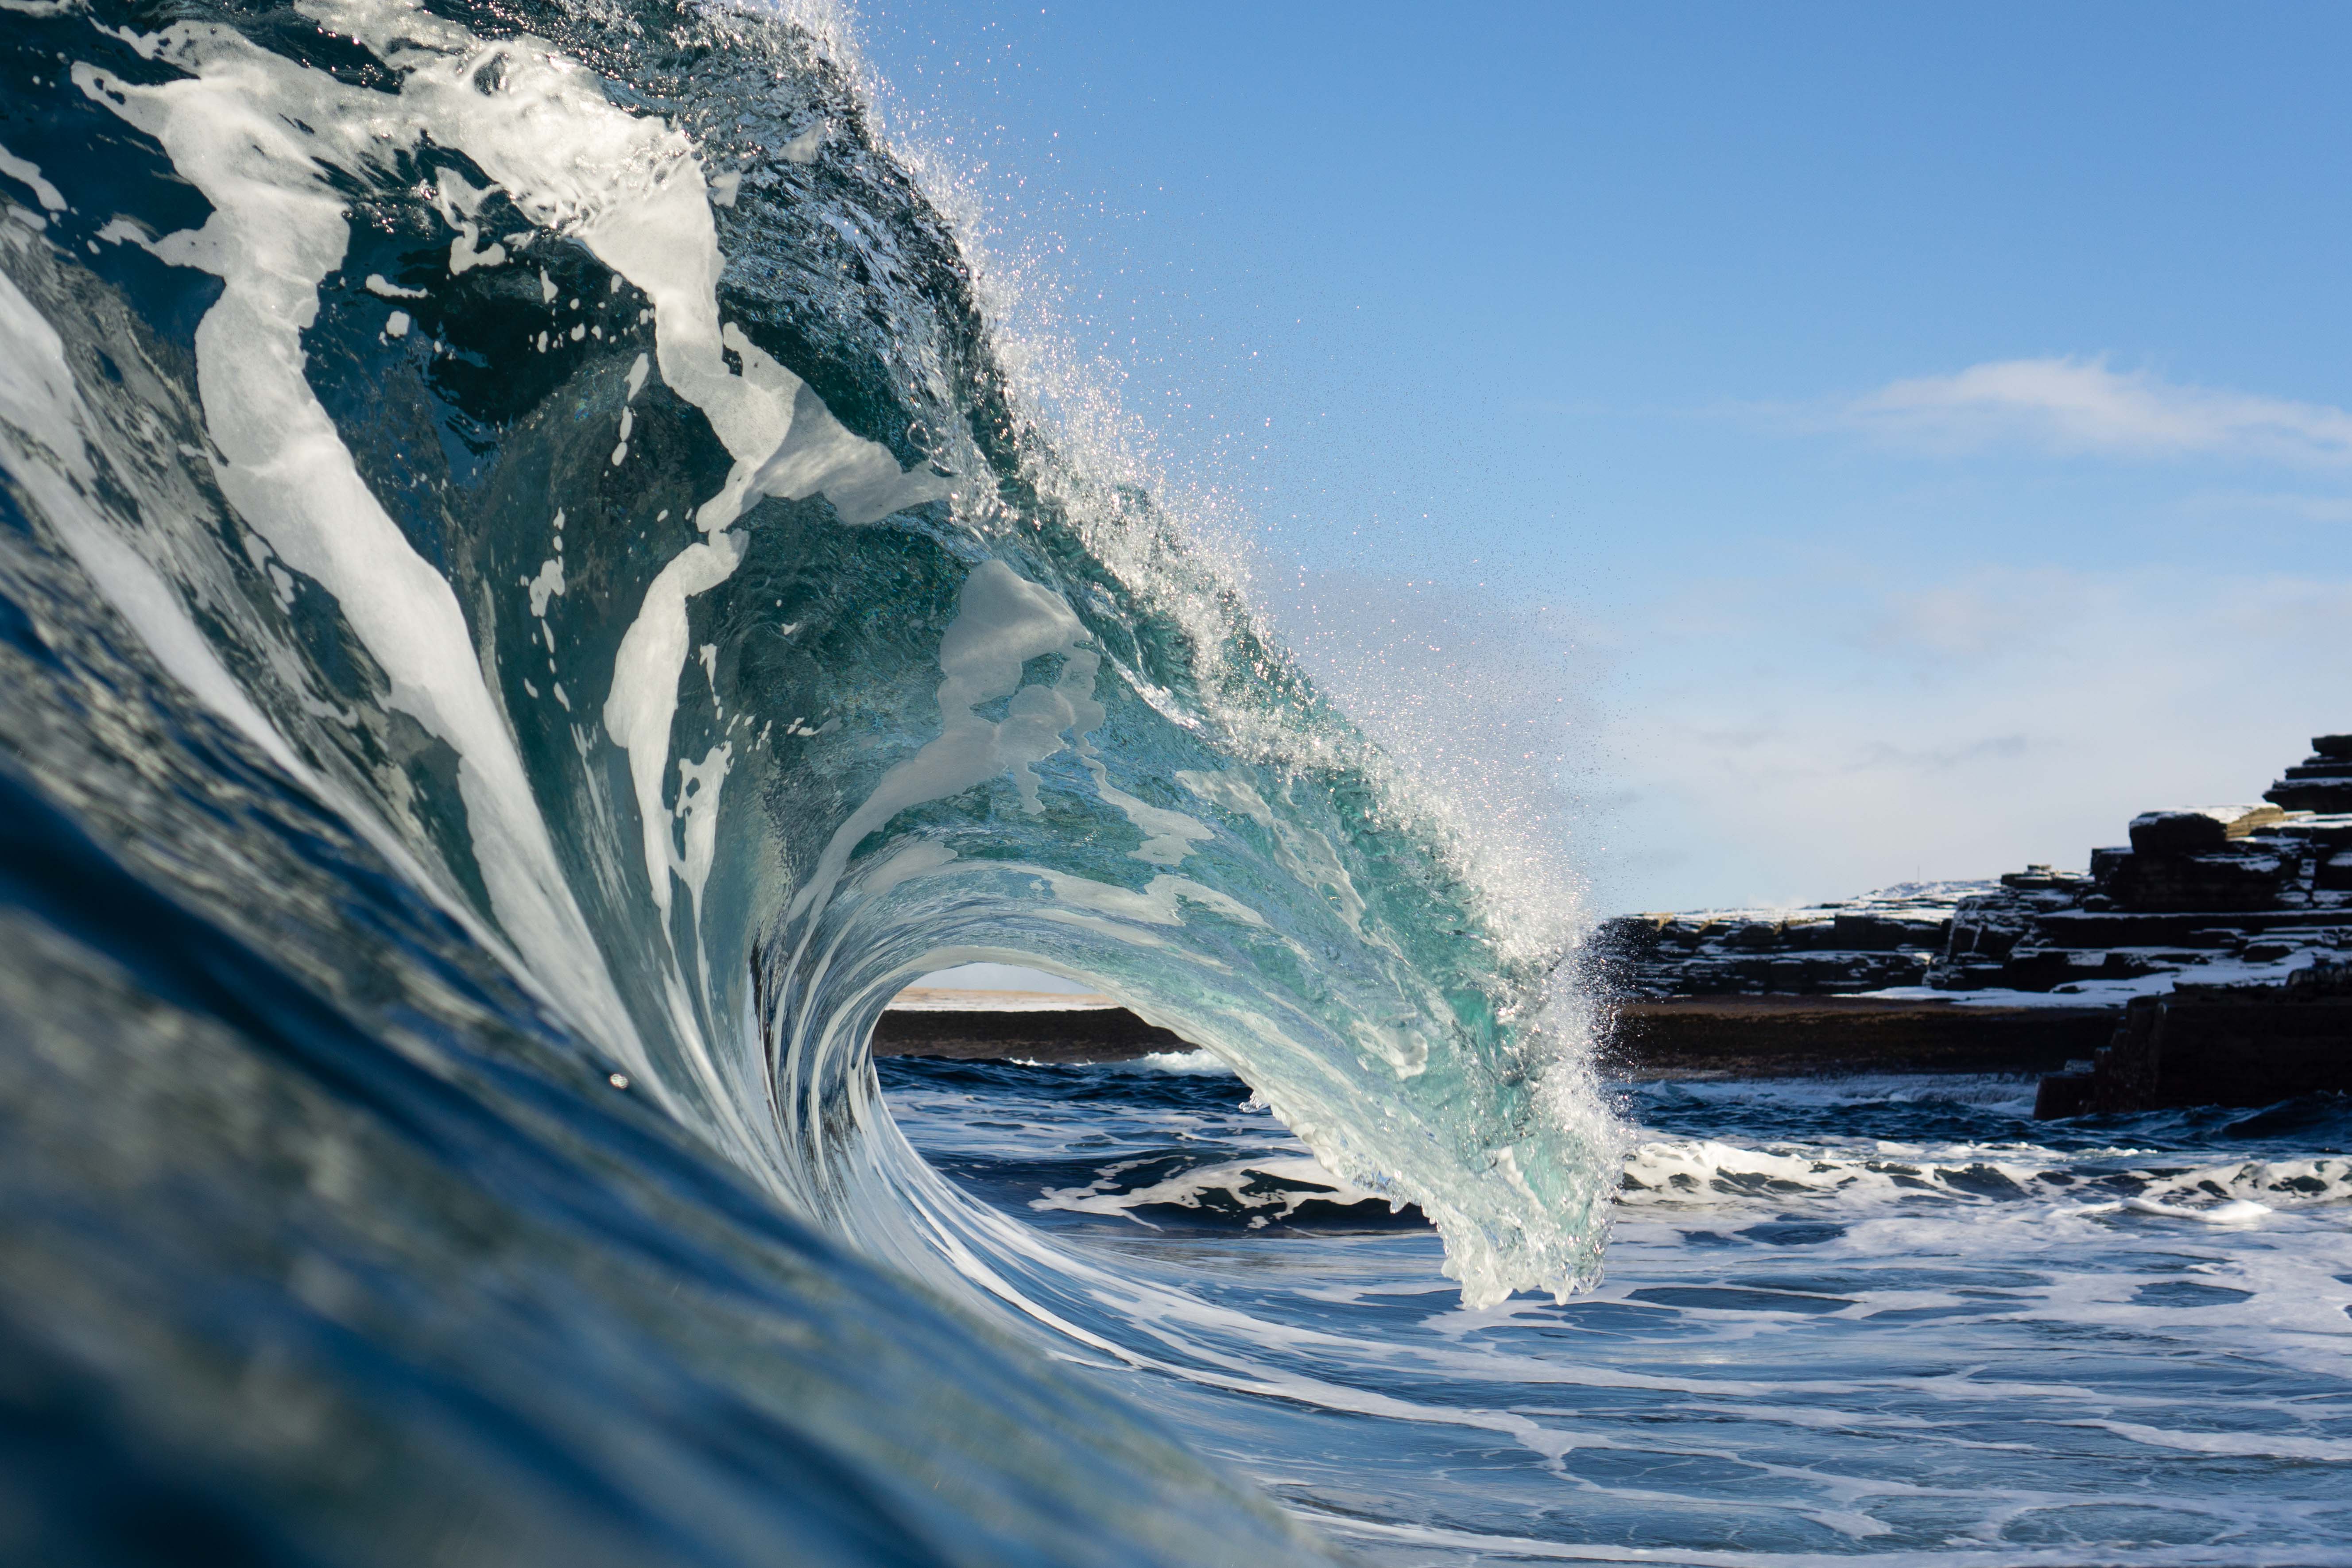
{"x":1886,"y":1319}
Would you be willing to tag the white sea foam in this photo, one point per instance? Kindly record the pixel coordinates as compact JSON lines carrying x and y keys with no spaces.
{"x":1266,"y":1190}
{"x":1183,"y":1064}
{"x":1704,"y":1172}
{"x":250,"y":130}
{"x":29,"y":173}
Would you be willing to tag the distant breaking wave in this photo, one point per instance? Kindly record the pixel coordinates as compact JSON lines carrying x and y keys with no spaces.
{"x":549,"y":460}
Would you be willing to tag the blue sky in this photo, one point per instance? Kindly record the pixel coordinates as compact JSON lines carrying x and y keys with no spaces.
{"x":1861,"y":442}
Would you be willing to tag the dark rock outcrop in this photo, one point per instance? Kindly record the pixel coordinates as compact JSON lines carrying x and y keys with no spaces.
{"x":2219,"y":1044}
{"x":2321,"y":782}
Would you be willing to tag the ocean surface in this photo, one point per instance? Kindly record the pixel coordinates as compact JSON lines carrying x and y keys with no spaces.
{"x":537,"y":594}
{"x":1892,"y":1319}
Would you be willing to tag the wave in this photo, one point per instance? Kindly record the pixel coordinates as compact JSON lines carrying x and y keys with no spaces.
{"x":551,"y":459}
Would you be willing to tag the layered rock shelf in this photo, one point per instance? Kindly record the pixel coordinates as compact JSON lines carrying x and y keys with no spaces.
{"x":1875,"y":942}
{"x":2207,"y":961}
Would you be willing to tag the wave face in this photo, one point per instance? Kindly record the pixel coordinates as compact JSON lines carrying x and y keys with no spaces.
{"x":531,"y":609}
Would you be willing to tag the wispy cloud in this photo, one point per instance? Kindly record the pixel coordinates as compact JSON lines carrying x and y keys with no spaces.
{"x":2084,"y":406}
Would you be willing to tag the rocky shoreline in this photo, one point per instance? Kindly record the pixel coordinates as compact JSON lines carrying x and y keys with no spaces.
{"x":2207,"y":961}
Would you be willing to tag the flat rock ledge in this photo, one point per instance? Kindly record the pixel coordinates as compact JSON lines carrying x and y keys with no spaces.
{"x":1078,"y":1030}
{"x":1684,"y":1037}
{"x":1804,"y":1036}
{"x":2194,"y":1045}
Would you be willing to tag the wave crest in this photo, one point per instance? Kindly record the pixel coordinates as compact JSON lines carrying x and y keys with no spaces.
{"x":575,"y":456}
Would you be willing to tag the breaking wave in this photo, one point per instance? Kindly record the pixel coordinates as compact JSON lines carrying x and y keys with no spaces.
{"x":516,"y":524}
